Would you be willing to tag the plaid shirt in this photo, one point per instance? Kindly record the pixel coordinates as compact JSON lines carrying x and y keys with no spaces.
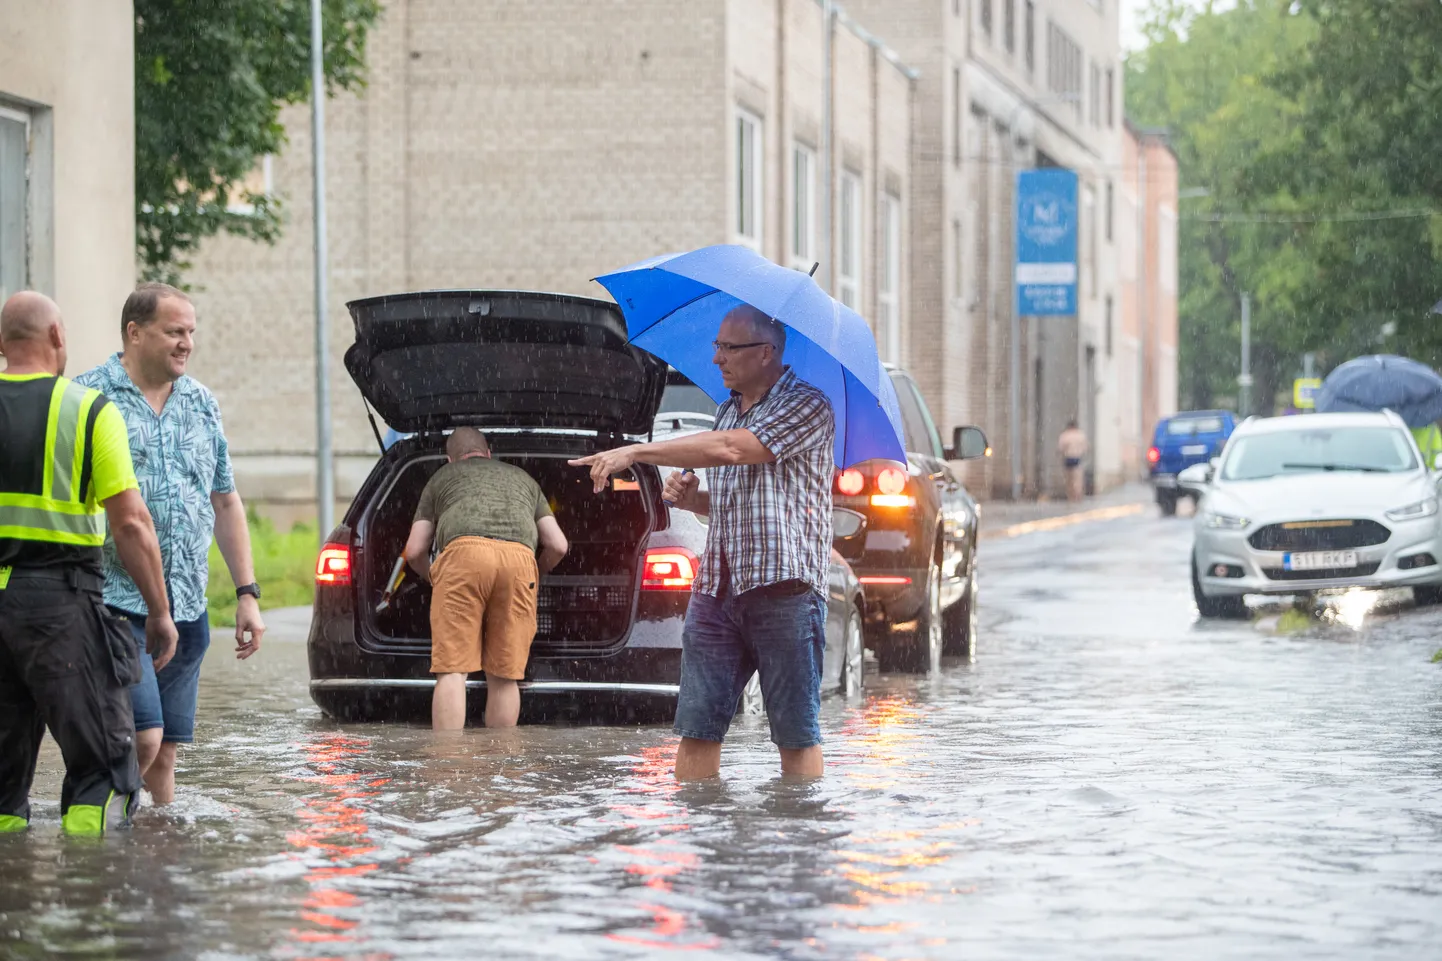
{"x":772,"y":521}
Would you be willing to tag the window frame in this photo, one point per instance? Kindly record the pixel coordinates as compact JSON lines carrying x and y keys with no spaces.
{"x":802,"y":246}
{"x":888,"y":286}
{"x":757,"y":182}
{"x":850,"y":230}
{"x":25,"y":227}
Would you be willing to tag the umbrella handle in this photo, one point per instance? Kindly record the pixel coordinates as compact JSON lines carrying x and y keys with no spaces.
{"x":669,"y":502}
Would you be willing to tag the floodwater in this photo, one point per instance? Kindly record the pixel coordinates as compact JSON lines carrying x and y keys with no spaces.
{"x":1108,"y":779}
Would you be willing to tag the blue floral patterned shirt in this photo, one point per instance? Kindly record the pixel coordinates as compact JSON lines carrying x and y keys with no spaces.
{"x":181,"y":458}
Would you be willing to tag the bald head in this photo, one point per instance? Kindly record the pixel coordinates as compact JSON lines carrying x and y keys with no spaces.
{"x":32,"y":334}
{"x":28,"y":316}
{"x":467,"y":442}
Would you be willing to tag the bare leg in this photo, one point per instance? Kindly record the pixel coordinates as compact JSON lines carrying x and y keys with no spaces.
{"x":147,"y":745}
{"x":805,"y":762}
{"x":696,"y":759}
{"x":160,"y":775}
{"x":448,"y":704}
{"x":503,"y":702}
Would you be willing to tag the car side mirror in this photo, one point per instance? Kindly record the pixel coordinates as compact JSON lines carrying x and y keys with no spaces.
{"x":1196,"y":477}
{"x":968,"y":443}
{"x":848,"y":533}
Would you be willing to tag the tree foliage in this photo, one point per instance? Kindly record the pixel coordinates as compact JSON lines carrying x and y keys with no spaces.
{"x":1283,"y":118}
{"x":211,"y":77}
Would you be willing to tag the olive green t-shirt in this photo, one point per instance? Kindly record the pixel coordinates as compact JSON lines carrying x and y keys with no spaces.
{"x":480,"y":497}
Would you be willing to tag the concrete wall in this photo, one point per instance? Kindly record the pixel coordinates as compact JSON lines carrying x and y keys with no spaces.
{"x":69,"y":65}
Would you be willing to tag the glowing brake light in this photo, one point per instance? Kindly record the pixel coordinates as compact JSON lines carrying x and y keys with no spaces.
{"x":332,"y":567}
{"x":669,"y":569}
{"x":850,"y":482}
{"x":891,"y":481}
{"x":878,"y":579}
{"x":1153,"y":455}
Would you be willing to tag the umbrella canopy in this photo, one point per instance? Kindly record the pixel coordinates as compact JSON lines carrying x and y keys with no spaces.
{"x":1407,"y":387}
{"x":674,"y":305}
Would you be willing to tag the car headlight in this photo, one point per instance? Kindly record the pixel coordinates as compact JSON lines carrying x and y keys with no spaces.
{"x":1226,"y":522}
{"x":1423,"y":508}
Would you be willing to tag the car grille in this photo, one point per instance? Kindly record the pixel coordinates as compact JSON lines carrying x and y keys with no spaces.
{"x":1319,"y":535}
{"x":1361,"y":570}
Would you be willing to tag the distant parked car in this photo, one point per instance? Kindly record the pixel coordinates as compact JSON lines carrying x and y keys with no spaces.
{"x":1181,"y":440}
{"x":1302,"y":504}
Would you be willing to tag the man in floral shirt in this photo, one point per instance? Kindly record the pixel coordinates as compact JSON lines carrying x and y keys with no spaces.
{"x":183,"y":465}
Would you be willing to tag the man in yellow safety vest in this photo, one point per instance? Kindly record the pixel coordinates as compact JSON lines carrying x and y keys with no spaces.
{"x":65,"y":663}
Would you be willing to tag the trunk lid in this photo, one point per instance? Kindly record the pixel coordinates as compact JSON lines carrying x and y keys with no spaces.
{"x":438,"y":359}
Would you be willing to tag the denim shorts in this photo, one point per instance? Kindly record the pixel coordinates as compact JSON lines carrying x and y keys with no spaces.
{"x":729,"y":638}
{"x":166,"y":699}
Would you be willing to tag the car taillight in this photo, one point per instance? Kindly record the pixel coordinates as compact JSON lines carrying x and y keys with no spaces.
{"x":891,"y":486}
{"x":850,"y":482}
{"x":332,"y":567}
{"x":669,"y":569}
{"x":1153,"y":455}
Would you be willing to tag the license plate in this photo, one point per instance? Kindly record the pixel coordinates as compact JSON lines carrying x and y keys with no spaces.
{"x":1192,"y":450}
{"x":1319,"y":560}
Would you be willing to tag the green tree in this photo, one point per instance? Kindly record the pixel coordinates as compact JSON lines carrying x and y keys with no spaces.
{"x":211,"y":77}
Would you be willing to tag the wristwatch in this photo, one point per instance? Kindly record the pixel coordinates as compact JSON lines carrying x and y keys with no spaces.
{"x":252,"y":589}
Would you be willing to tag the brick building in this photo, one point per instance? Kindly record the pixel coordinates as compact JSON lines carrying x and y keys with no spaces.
{"x":502,"y":144}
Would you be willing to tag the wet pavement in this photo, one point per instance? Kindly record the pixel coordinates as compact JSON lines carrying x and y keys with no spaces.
{"x":1108,"y":779}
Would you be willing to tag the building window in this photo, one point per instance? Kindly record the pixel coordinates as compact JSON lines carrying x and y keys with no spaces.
{"x":1064,"y":67}
{"x":986,"y":17}
{"x":1109,"y":321}
{"x":1111,"y":210}
{"x":260,"y":182}
{"x":749,"y":179}
{"x":888,"y":281}
{"x":14,"y":202}
{"x":1094,"y":95}
{"x":1111,"y":97}
{"x":1089,"y":238}
{"x":1029,"y":36}
{"x":850,"y":273}
{"x":803,"y":207}
{"x":1008,"y":24}
{"x":956,"y":144}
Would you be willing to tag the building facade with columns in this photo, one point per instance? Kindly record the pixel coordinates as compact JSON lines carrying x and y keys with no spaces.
{"x":578,"y":137}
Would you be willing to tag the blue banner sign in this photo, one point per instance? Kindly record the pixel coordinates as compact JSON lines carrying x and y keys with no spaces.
{"x":1046,"y":241}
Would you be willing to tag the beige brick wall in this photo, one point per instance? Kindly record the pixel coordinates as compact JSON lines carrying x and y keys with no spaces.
{"x":522,"y":145}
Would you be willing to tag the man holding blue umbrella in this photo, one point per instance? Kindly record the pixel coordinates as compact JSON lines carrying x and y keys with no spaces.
{"x":758,"y":602}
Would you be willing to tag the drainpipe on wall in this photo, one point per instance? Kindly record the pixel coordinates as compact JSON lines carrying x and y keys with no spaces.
{"x":828,"y":15}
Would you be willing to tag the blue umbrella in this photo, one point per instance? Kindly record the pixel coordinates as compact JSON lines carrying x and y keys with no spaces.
{"x":674,"y":305}
{"x":1407,"y":387}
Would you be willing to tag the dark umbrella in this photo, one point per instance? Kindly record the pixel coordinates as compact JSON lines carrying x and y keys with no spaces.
{"x":1384,"y":382}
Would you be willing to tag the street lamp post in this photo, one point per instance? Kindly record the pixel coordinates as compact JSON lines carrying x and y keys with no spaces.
{"x":324,"y":461}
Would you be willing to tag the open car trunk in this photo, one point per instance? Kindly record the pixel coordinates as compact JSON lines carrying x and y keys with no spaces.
{"x":585,"y":606}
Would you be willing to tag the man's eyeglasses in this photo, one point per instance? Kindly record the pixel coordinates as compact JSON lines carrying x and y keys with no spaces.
{"x":728,"y":349}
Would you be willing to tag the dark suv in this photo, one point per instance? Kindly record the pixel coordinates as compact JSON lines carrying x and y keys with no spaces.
{"x":549,"y":377}
{"x":918,"y":562}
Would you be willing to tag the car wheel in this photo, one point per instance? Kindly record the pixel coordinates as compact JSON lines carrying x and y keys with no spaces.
{"x":1427,"y":595}
{"x":920,"y":650}
{"x":960,"y":636}
{"x":1227,"y":607}
{"x":853,"y":666}
{"x":1168,"y":504}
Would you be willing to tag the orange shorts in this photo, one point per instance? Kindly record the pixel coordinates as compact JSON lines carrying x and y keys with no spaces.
{"x":483,"y":608}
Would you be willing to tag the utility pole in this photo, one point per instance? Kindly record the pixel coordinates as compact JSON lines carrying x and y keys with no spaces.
{"x":1244,"y":379}
{"x":324,"y":461}
{"x":828,"y":15}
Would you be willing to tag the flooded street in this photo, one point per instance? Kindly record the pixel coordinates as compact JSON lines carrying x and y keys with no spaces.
{"x":1108,"y":779}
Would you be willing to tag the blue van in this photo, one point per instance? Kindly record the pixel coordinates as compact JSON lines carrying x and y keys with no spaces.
{"x":1181,"y":440}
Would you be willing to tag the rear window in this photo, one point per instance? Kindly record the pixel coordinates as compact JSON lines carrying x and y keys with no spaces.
{"x":686,"y":399}
{"x":1189,"y":426}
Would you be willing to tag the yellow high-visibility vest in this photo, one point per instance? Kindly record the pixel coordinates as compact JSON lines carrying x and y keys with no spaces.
{"x":63,"y":510}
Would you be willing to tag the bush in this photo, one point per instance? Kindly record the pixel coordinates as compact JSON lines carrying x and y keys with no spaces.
{"x":284,"y":568}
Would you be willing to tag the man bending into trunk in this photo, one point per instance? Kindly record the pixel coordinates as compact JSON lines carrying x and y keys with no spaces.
{"x":488,"y":518}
